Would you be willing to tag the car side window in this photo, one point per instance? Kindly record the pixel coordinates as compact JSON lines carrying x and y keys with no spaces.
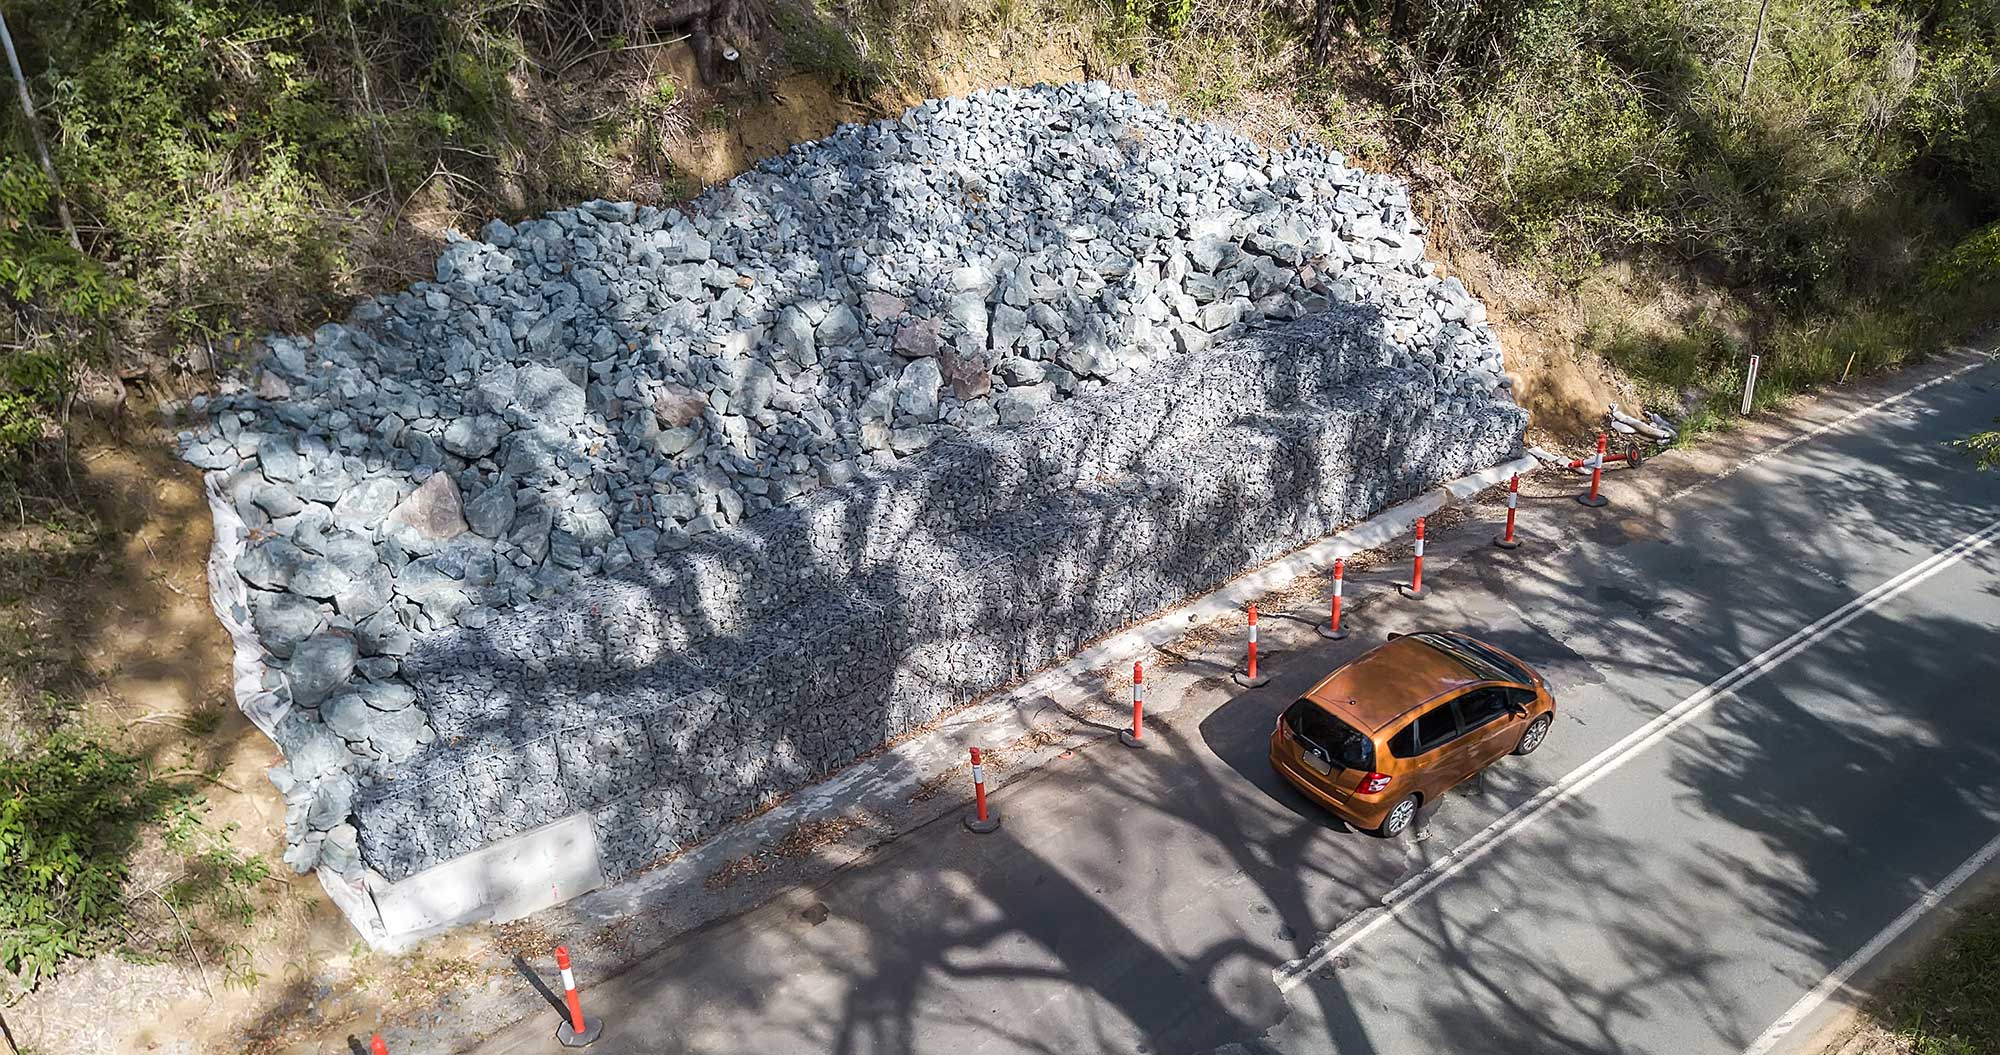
{"x":1435,"y":727}
{"x":1521,"y":697}
{"x":1480,"y":706}
{"x":1404,"y":743}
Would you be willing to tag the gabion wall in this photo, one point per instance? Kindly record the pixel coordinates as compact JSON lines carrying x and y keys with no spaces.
{"x":968,"y":362}
{"x":675,"y":696}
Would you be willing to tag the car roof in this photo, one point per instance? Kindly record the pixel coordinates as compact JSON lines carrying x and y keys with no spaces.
{"x":1393,"y":679}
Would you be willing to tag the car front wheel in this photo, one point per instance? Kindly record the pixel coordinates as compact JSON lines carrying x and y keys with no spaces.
{"x":1532,"y":737}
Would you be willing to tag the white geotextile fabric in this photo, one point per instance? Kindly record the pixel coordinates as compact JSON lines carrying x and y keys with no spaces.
{"x":255,"y":684}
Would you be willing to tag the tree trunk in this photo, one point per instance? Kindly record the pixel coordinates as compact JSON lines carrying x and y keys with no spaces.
{"x":1756,"y":43}
{"x":35,"y":134}
{"x":1322,"y":38}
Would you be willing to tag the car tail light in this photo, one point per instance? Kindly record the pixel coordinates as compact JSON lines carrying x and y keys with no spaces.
{"x":1372,"y":783}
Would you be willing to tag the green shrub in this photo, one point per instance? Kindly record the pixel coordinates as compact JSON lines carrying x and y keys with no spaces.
{"x":1973,"y":265}
{"x":1168,"y":18}
{"x":1982,"y":447}
{"x":73,"y":813}
{"x":70,"y":813}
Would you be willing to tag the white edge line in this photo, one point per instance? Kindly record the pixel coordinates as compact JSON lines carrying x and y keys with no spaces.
{"x":1769,"y":1039}
{"x":1985,"y":358}
{"x":1292,"y":974}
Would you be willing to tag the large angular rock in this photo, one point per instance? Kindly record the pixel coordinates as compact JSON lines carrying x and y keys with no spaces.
{"x":320,"y":664}
{"x":367,"y":502}
{"x":279,"y":460}
{"x":675,"y":407}
{"x":839,"y":327}
{"x":364,"y":594}
{"x":918,"y":338}
{"x":382,"y":634}
{"x":282,"y":620}
{"x":271,"y":563}
{"x":474,"y":437}
{"x":550,"y":397}
{"x":1007,"y":327}
{"x":356,"y":713}
{"x":318,"y":577}
{"x":433,"y":509}
{"x":917,"y":390}
{"x":398,"y":734}
{"x":491,"y":513}
{"x":967,"y":373}
{"x":794,"y":335}
{"x":1025,"y":403}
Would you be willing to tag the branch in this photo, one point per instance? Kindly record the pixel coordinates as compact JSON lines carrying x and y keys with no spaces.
{"x":35,"y":133}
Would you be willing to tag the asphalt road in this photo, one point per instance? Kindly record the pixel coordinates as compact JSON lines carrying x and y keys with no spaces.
{"x":1780,"y":726}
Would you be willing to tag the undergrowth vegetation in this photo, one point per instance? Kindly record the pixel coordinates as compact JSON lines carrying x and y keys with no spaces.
{"x":74,"y":813}
{"x":1948,"y":1002}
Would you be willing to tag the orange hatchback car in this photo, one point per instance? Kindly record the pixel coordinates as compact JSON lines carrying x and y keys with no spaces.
{"x":1401,"y":725}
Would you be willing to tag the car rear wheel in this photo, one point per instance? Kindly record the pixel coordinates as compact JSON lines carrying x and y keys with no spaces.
{"x":1399,"y":818}
{"x":1532,"y":737}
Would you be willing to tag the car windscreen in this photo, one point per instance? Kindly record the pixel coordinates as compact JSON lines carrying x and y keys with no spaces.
{"x":1332,"y":739}
{"x":1483,"y":661}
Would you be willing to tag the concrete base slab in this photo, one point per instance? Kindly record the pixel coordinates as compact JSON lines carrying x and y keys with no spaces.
{"x":1125,"y":737}
{"x":503,"y":881}
{"x":982,"y":827}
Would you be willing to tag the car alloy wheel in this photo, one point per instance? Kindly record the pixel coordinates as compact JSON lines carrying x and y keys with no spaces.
{"x":1399,"y":818}
{"x":1538,"y":730}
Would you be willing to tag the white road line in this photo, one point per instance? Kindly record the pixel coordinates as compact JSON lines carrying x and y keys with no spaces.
{"x":1294,"y":973}
{"x":1790,"y":1020}
{"x":1986,"y":358}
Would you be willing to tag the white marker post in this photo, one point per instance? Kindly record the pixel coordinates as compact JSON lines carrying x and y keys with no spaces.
{"x":1750,"y":383}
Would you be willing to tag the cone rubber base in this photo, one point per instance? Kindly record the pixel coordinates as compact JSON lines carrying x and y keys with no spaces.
{"x":1244,"y":679}
{"x":1414,"y":595}
{"x":1504,"y":543}
{"x":568,"y":1037}
{"x":1125,"y":737}
{"x":1327,"y":631}
{"x":990,"y":824}
{"x":1593,"y":501}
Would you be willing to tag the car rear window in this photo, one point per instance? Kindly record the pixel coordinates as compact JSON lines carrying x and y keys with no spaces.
{"x":1333,"y":739}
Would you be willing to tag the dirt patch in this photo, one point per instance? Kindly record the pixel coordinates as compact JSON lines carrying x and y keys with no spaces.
{"x":114,"y":620}
{"x":724,"y":144}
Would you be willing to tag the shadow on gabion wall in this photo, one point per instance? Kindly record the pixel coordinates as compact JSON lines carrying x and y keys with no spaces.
{"x":676,"y":696}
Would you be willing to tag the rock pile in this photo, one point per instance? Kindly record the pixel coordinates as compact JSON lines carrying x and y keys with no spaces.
{"x":628,"y":391}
